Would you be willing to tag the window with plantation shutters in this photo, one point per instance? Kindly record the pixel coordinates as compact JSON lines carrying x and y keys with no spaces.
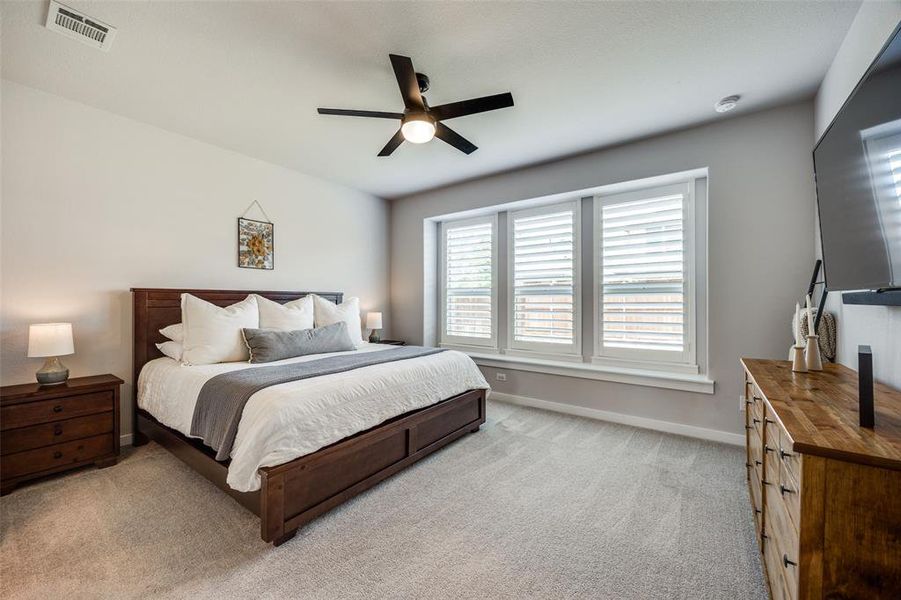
{"x":543,"y":282}
{"x":468,"y":286}
{"x":644,"y":288}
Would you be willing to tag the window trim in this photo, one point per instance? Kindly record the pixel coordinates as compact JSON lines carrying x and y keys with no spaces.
{"x":572,"y":351}
{"x":636,"y":375}
{"x":463,"y":342}
{"x":658,"y":360}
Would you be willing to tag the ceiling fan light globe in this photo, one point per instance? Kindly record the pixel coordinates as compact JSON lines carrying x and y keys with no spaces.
{"x":418,"y":131}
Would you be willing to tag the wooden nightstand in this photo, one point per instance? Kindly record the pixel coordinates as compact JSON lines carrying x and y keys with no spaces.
{"x":392,"y":342}
{"x":52,"y":428}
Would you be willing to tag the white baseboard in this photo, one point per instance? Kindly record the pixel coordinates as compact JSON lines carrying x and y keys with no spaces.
{"x":126,"y":439}
{"x":713,"y":435}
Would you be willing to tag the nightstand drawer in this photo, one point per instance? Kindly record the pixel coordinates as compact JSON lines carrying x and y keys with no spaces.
{"x":38,"y":436}
{"x":33,"y":413}
{"x":59,"y":455}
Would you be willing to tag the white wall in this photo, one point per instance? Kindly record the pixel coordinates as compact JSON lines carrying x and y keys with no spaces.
{"x":761,"y":196}
{"x":877,"y":326}
{"x":94,"y":204}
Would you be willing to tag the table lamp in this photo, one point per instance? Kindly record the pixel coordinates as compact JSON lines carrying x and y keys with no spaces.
{"x":374,"y":322}
{"x":51,"y":340}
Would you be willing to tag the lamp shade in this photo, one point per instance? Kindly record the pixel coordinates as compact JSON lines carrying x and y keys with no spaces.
{"x":374,"y":320}
{"x":50,"y":339}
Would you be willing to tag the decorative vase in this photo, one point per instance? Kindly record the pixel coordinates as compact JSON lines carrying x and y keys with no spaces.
{"x":814,"y":362}
{"x":799,"y":363}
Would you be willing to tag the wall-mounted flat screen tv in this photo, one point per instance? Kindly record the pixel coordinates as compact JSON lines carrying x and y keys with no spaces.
{"x":858,"y":178}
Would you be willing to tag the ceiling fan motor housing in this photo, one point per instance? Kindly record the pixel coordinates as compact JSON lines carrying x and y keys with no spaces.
{"x":423,"y":80}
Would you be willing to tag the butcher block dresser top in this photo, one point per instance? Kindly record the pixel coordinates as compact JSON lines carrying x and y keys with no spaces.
{"x":819,"y":411}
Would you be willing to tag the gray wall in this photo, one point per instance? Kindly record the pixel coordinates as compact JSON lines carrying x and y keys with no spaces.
{"x":94,"y":204}
{"x":878,"y":326}
{"x":761,"y":197}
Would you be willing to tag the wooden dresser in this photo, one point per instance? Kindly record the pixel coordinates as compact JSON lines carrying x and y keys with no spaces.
{"x":826,"y":493}
{"x":48,"y":429}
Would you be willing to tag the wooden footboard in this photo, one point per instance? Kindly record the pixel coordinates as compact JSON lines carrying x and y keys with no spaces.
{"x":297,"y":492}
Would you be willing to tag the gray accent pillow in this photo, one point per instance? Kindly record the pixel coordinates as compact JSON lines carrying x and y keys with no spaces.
{"x":267,"y":345}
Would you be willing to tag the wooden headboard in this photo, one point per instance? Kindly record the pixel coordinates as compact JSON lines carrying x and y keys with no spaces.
{"x":155,"y":308}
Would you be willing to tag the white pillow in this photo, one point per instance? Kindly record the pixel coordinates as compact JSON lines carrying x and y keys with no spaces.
{"x":173,"y":350}
{"x":213,"y":334}
{"x":327,"y":313}
{"x":176,"y":332}
{"x":297,"y":314}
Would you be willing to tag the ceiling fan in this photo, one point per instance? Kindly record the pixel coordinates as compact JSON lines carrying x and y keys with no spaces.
{"x":419,"y":121}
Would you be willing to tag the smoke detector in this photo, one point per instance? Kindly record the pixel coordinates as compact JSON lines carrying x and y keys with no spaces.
{"x":726,"y":104}
{"x":79,"y":26}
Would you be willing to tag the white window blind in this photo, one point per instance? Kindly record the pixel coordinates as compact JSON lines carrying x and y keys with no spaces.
{"x":469,"y":281}
{"x":543,"y":284}
{"x":643,"y":285}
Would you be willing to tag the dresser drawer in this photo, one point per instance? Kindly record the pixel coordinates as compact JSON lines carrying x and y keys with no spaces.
{"x":755,"y":453}
{"x":757,"y":413}
{"x":33,"y":413}
{"x":38,"y":436}
{"x":790,"y":460}
{"x":756,"y":401}
{"x":772,"y":561}
{"x":58,"y":455}
{"x":791,"y":495}
{"x":783,"y":537}
{"x":756,"y":501}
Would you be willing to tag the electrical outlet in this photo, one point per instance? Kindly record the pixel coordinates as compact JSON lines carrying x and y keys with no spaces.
{"x":501,"y":376}
{"x":741,"y":404}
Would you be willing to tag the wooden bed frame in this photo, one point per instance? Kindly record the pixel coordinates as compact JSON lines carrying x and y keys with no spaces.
{"x":297,"y":492}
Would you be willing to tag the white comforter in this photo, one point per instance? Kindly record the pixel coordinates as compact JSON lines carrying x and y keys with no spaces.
{"x":283,"y":422}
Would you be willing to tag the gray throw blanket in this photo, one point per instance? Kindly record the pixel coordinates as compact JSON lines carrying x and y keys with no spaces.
{"x":222,"y":398}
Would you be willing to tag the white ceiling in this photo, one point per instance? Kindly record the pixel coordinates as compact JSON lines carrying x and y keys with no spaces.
{"x":248,"y":76}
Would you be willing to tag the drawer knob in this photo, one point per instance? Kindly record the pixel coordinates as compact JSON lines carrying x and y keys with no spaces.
{"x":765,"y":482}
{"x":748,"y":427}
{"x":58,"y":408}
{"x":758,"y":463}
{"x":767,"y":449}
{"x":784,"y":490}
{"x":757,"y":511}
{"x":786,"y":561}
{"x":58,"y":430}
{"x":57,"y":454}
{"x":770,"y":421}
{"x":756,"y":420}
{"x":783,"y":453}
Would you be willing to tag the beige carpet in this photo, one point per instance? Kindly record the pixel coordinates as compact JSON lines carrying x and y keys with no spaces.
{"x":536,"y":505}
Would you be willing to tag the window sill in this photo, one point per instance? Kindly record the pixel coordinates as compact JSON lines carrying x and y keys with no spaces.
{"x":675,"y":381}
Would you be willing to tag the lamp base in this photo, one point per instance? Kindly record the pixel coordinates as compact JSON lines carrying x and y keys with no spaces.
{"x":374,"y":337}
{"x":53,"y":372}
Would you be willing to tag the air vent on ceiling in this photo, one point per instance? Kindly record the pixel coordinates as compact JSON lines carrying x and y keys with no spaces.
{"x":78,"y":26}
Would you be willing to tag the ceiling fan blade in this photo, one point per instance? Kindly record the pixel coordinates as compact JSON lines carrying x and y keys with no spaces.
{"x":406,"y":80}
{"x":471,"y":107}
{"x":360,"y":113}
{"x":453,"y":138}
{"x":392,"y":144}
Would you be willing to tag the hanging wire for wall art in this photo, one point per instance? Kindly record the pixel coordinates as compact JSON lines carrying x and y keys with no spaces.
{"x":256,"y":241}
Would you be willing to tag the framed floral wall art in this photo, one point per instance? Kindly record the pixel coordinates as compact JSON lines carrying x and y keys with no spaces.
{"x":256,"y":244}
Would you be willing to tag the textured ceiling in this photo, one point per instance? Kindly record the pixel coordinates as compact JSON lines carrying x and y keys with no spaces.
{"x":248,"y":76}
